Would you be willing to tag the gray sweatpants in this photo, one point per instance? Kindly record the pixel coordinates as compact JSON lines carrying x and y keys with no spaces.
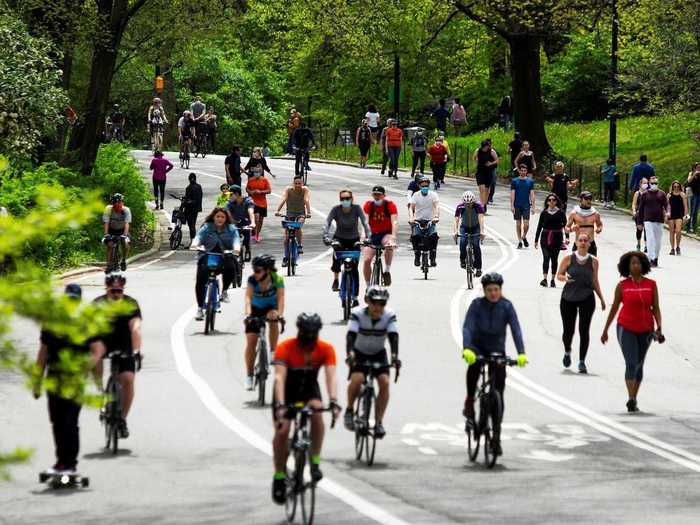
{"x":634,"y":349}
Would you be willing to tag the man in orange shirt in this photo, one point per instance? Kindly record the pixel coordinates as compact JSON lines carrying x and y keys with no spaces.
{"x":394,"y":141}
{"x":258,"y":188}
{"x":297,"y":361}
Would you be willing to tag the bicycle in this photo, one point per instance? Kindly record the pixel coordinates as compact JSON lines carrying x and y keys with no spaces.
{"x":365,"y":440}
{"x":201,"y":143}
{"x":299,"y":490}
{"x":377,"y":278}
{"x":185,"y":153}
{"x":212,"y":295}
{"x":261,"y":371}
{"x":291,"y":244}
{"x":117,"y":261}
{"x":304,"y":152}
{"x":348,"y":288}
{"x":488,"y":412}
{"x":157,"y":136}
{"x":178,"y":218}
{"x":111,"y":411}
{"x":470,"y":256}
{"x":424,"y":229}
{"x":243,"y":255}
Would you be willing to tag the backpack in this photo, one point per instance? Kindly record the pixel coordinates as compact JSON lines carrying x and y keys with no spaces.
{"x":419,"y":141}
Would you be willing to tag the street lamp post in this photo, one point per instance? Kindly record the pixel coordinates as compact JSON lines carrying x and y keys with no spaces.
{"x":397,"y":89}
{"x":612,"y":110}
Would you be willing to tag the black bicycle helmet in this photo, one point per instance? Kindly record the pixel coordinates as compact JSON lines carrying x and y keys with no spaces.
{"x":585,"y":195}
{"x":117,"y":197}
{"x":264,"y":261}
{"x":115,"y":279}
{"x":309,"y":323}
{"x":492,"y":278}
{"x":423,"y":179}
{"x":377,"y":294}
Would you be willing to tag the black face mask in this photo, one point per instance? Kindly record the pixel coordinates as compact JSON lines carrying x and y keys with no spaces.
{"x":307,"y":338}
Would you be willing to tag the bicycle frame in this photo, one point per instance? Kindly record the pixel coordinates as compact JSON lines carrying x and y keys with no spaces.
{"x":348,"y":288}
{"x":291,"y":245}
{"x":424,"y":227}
{"x":377,"y":277}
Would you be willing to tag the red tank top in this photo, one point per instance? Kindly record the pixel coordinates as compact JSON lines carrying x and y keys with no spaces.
{"x":637,"y":301}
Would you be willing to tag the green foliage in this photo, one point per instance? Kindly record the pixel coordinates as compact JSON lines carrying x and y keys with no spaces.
{"x":31,"y":102}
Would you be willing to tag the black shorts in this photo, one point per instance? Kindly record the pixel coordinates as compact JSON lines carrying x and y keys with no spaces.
{"x":126,"y":364}
{"x":521,"y":213}
{"x":364,"y":148}
{"x":259,"y":210}
{"x":380,"y":358}
{"x":484,"y":178}
{"x":254,"y":328}
{"x":297,"y":390}
{"x":114,"y":232}
{"x":374,"y":129}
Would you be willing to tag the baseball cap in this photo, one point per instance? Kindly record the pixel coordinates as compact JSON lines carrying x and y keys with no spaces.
{"x":74,"y":290}
{"x":379,"y":189}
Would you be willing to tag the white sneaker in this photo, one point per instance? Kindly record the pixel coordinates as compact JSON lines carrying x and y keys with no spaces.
{"x":249,"y":383}
{"x":224,"y":296}
{"x":200,"y":315}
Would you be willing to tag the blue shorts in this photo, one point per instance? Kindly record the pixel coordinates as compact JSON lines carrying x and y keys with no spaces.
{"x":377,"y":239}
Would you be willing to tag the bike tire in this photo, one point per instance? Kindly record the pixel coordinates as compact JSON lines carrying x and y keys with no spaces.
{"x":299,"y":483}
{"x":473,"y":433}
{"x":347,"y":303}
{"x":262,"y":370}
{"x":288,"y":251}
{"x":210,"y":315}
{"x":371,"y":440}
{"x":290,"y":504}
{"x":424,"y":265}
{"x":115,"y":416}
{"x":494,"y":416}
{"x":470,"y":267}
{"x":360,"y":434}
{"x":239,"y":271}
{"x":108,"y":420}
{"x":293,"y":255}
{"x":308,"y":503}
{"x":176,"y":238}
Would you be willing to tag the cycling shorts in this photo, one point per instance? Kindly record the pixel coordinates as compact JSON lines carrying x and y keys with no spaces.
{"x":126,"y":364}
{"x":379,"y":358}
{"x":297,"y":390}
{"x":256,"y":311}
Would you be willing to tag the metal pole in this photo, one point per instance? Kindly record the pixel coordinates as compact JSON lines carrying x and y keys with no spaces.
{"x":612,"y":149}
{"x":397,"y":88}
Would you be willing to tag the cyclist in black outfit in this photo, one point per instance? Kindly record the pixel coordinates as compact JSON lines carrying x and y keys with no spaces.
{"x":302,"y":140}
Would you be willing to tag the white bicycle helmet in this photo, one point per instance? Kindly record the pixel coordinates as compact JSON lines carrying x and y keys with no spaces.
{"x":468,"y":197}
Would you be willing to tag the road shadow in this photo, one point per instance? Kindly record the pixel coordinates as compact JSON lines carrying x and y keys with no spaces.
{"x":476,"y":468}
{"x":640,"y":414}
{"x":574,"y":373}
{"x":213,"y":334}
{"x":360,"y":465}
{"x":338,"y":323}
{"x":254,"y":405}
{"x":107,"y":454}
{"x":60,"y":492}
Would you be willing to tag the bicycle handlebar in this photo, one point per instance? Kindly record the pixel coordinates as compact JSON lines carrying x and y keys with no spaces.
{"x":396,"y":365}
{"x":497,"y":359}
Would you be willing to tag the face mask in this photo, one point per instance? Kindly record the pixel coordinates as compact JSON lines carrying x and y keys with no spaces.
{"x":654,"y":186}
{"x":424,"y":191}
{"x":645,"y":186}
{"x":258,"y":175}
{"x":378,"y":202}
{"x":307,"y":339}
{"x":345,"y":203}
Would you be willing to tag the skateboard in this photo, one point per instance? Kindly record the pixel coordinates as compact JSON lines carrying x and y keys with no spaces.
{"x":58,"y":481}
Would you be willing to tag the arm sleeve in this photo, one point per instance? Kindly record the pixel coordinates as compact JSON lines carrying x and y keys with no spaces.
{"x":350,"y":341}
{"x":200,"y":233}
{"x":353,"y":324}
{"x":469,"y":327}
{"x":394,"y":343}
{"x":265,"y":167}
{"x":515,"y":330}
{"x":539,"y":226}
{"x":247,"y":165}
{"x":151,"y":166}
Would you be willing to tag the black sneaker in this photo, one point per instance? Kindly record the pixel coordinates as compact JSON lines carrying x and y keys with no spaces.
{"x":387,"y":278}
{"x":496,"y":448}
{"x":416,"y":259}
{"x":672,"y":252}
{"x":335,"y":286}
{"x":520,"y":245}
{"x":632,"y":406}
{"x":316,"y":474}
{"x":462,"y":263}
{"x":567,"y":359}
{"x":379,"y":431}
{"x":285,"y":262}
{"x":678,"y":250}
{"x":543,"y":282}
{"x":279,"y":491}
{"x":551,"y":284}
{"x":582,"y":368}
{"x":527,"y":244}
{"x":123,"y":429}
{"x":478,"y":273}
{"x":433,"y":262}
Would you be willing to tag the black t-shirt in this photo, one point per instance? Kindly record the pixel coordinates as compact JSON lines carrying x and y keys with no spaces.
{"x":441,"y":115}
{"x":560,"y":185}
{"x":117,"y":117}
{"x":234,"y":163}
{"x":694,"y":185}
{"x":515,"y":146}
{"x":303,"y":138}
{"x":364,"y":134}
{"x":119,"y":337}
{"x":56,"y":344}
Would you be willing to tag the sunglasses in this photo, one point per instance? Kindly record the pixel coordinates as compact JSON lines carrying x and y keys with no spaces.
{"x":346,"y":198}
{"x":116,"y":290}
{"x":551,"y":200}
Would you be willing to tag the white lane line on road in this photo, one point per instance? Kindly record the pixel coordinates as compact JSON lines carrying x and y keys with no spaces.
{"x":567,"y":407}
{"x":98,"y":270}
{"x":427,"y":451}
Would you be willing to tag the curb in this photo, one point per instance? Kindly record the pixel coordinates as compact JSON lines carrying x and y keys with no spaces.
{"x":155,"y":248}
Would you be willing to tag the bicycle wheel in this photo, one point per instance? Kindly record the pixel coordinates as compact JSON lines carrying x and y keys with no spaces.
{"x":290,"y":504}
{"x":495,"y":412}
{"x":239,"y":270}
{"x":424,"y":265}
{"x":114,"y":415}
{"x":288,"y":251}
{"x":262,"y":370}
{"x":370,"y":440}
{"x":347,"y":300}
{"x":176,"y":237}
{"x":299,"y":483}
{"x":293,"y":255}
{"x":360,"y":429}
{"x":108,"y":419}
{"x":473,"y":435}
{"x":308,"y":503}
{"x":210,"y":308}
{"x":470,"y":268}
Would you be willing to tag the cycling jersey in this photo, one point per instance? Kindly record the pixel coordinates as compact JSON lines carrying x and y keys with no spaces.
{"x":303,"y":138}
{"x":265,"y":298}
{"x":302,"y":365}
{"x":469,"y":217}
{"x":239,"y":210}
{"x":371,"y":334}
{"x":117,"y":220}
{"x":214,"y":240}
{"x":186,"y":126}
{"x":484,"y":329}
{"x":119,"y":336}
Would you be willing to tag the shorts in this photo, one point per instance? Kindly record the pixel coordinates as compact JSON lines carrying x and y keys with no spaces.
{"x":364,"y":148}
{"x":374,"y":129}
{"x":125,"y":364}
{"x":257,"y":311}
{"x":379,"y":358}
{"x":298,"y":390}
{"x":522,"y":213}
{"x":115,"y":232}
{"x":382,"y":238}
{"x":484,"y":178}
{"x":259,"y":210}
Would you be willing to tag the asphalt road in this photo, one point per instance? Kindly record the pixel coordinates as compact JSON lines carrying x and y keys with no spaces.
{"x":199,"y":449}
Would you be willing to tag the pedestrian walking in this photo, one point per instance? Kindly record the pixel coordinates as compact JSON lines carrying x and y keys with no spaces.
{"x":441,"y":114}
{"x":638,"y":222}
{"x":652,"y":209}
{"x":486,"y":160}
{"x":212,"y":123}
{"x":494,"y":173}
{"x":579,"y":270}
{"x":258,"y":188}
{"x":418,"y":147}
{"x":458,"y":117}
{"x":693,"y":185}
{"x":373,"y":119}
{"x":527,"y":157}
{"x":677,"y":213}
{"x":550,"y":227}
{"x":382,"y":145}
{"x":610,"y":183}
{"x":643,"y":169}
{"x":640,"y":314}
{"x":193,"y":204}
{"x":522,"y":204}
{"x":438,"y":161}
{"x":505,"y":113}
{"x":232,"y":167}
{"x":394,"y":141}
{"x":160,"y":167}
{"x":515,"y":146}
{"x":293,"y":123}
{"x":561,"y":184}
{"x":363,"y":140}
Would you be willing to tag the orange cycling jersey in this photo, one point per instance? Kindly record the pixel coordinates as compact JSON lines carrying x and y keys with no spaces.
{"x":290,"y":353}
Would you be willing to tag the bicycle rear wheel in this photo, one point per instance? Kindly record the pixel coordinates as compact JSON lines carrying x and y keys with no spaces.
{"x":492,"y":416}
{"x":360,"y":429}
{"x":262,"y":370}
{"x":472,"y":429}
{"x":176,"y":237}
{"x":371,"y":441}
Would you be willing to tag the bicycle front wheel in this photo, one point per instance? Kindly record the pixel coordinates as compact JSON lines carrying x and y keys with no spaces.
{"x":262,"y":370}
{"x":424,"y":264}
{"x":370,"y":440}
{"x":290,"y":504}
{"x":472,"y":429}
{"x":307,"y":498}
{"x":470,"y":267}
{"x":212,"y":297}
{"x":360,"y":429}
{"x":239,"y":270}
{"x":176,"y":238}
{"x":494,"y":411}
{"x":347,"y":301}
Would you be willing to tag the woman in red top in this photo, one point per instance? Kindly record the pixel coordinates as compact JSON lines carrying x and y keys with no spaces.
{"x":635,"y":324}
{"x":438,"y":161}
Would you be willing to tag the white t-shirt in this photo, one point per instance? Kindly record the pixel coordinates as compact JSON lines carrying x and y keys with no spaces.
{"x":372,"y":119}
{"x":424,"y":204}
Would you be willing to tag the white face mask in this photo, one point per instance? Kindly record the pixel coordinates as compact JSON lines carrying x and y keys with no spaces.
{"x":654,"y":186}
{"x":645,"y":186}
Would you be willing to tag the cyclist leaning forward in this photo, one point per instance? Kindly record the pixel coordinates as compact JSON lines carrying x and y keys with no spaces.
{"x":368,"y":330}
{"x":241,"y":210}
{"x":297,"y":361}
{"x":483,"y":334}
{"x":216,"y":235}
{"x":297,"y":199}
{"x":264,"y":299}
{"x":469,"y":222}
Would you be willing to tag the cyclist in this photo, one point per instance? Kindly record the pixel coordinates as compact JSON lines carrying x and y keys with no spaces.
{"x":469,"y":221}
{"x":217,"y":235}
{"x":584,"y":218}
{"x":258,"y":187}
{"x":186,"y":131}
{"x":199,"y":113}
{"x":302,"y":142}
{"x":424,"y":206}
{"x":346,"y":216}
{"x":117,"y":122}
{"x":117,"y":220}
{"x":257,"y":163}
{"x":241,"y":210}
{"x":297,"y":362}
{"x":296,"y":197}
{"x":264,"y":298}
{"x":64,"y":411}
{"x":157,"y":119}
{"x":384,"y":222}
{"x":368,"y":330}
{"x":125,"y":337}
{"x":483,"y":334}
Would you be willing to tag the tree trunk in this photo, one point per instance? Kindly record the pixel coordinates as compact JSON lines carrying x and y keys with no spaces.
{"x":527,"y":92}
{"x":497,"y":58}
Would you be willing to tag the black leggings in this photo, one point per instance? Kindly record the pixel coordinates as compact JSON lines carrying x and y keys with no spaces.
{"x":474,"y":372}
{"x":418,"y":157}
{"x":227,"y":274}
{"x":159,"y":188}
{"x":192,"y":223}
{"x":550,"y":255}
{"x":64,"y":415}
{"x":585,"y":310}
